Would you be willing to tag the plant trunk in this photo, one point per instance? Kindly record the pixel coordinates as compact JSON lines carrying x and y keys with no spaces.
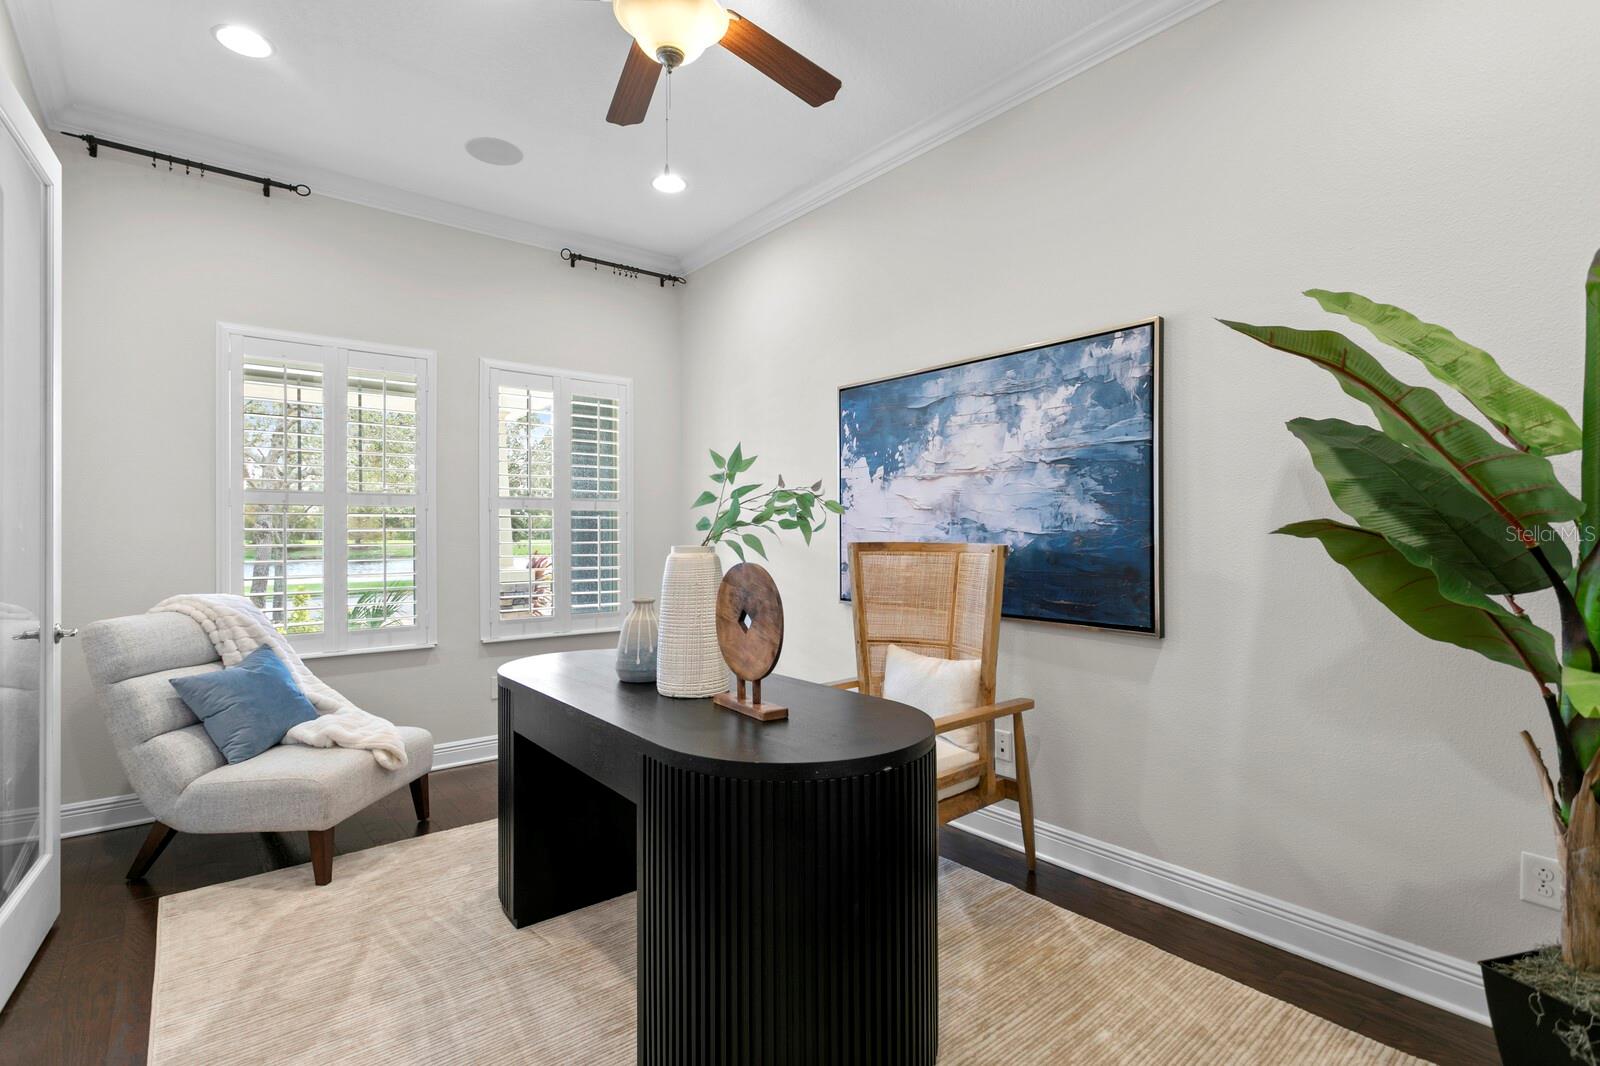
{"x":1578,"y":851}
{"x":1580,"y":914}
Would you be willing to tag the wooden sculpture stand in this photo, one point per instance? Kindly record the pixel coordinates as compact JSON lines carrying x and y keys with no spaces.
{"x":735,"y":701}
{"x":750,"y":634}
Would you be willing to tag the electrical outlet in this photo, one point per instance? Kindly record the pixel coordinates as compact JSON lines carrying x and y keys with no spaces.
{"x":1002,"y":745}
{"x":1541,"y":881}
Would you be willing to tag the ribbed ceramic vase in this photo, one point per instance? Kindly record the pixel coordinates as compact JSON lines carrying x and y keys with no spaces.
{"x":688,"y":661}
{"x":636,"y":648}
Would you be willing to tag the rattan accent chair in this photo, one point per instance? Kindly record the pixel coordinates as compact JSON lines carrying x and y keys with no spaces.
{"x":943,"y":601}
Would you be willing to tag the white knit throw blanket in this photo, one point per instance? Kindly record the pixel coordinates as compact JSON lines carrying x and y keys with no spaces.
{"x":237,"y":627}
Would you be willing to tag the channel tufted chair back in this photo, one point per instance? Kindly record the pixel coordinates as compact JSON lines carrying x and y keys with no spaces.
{"x":162,"y":745}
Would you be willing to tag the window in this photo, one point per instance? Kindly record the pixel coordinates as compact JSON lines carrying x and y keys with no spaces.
{"x":555,"y":501}
{"x":325,"y":488}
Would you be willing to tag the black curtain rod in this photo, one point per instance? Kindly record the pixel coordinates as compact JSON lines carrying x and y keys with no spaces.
{"x":621,"y":268}
{"x":267,"y":184}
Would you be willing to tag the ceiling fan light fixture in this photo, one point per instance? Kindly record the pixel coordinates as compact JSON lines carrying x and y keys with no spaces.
{"x":669,"y":183}
{"x":673,"y":32}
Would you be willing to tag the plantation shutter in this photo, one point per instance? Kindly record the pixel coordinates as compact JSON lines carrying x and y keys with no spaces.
{"x":324,"y":522}
{"x":555,"y":503}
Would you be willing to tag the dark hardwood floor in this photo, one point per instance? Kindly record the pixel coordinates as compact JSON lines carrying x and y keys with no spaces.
{"x":86,"y":998}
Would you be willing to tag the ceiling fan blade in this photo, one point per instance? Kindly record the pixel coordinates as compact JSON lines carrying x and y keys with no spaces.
{"x":634,"y":89}
{"x":779,"y":62}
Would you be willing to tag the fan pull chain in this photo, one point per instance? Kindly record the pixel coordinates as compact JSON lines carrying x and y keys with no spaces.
{"x":667,"y":151}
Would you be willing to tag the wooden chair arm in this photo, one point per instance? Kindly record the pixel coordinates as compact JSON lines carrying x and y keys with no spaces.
{"x":849,"y":682}
{"x":979,"y":715}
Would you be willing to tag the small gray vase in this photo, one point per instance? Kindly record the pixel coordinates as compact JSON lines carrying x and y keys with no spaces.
{"x":636,"y":649}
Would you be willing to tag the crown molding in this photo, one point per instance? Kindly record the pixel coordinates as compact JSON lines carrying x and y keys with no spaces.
{"x":36,"y":32}
{"x":1089,"y":47}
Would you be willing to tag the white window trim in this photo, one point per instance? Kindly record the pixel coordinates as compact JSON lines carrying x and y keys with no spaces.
{"x":333,"y":641}
{"x":492,"y":629}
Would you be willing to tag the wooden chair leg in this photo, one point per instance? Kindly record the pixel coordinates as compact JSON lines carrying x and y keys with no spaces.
{"x":419,"y":797}
{"x":154,"y":844}
{"x":321,"y":855}
{"x":1024,"y":788}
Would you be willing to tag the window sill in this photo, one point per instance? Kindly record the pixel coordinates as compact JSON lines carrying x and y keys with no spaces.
{"x":366,"y":651}
{"x":613,"y":630}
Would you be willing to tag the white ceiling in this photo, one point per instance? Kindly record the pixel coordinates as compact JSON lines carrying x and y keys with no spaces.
{"x":373,"y":100}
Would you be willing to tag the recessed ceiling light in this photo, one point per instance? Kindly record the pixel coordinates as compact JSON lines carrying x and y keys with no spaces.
{"x":243,"y":40}
{"x":494,"y":151}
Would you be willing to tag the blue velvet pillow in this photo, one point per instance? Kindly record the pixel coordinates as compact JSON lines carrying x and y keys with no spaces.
{"x":249,"y":707}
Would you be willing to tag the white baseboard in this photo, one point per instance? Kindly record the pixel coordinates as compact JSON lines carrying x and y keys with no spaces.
{"x":465,"y":752}
{"x":1449,"y":983}
{"x":98,"y":815}
{"x":116,"y":812}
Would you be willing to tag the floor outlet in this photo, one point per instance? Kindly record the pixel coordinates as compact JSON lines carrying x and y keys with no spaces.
{"x":1541,"y":881}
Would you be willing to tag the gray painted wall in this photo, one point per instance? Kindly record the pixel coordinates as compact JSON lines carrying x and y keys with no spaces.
{"x":154,"y":260}
{"x":1288,"y":735}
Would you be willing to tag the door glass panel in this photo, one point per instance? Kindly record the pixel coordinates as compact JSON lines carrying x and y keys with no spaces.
{"x":22,"y":515}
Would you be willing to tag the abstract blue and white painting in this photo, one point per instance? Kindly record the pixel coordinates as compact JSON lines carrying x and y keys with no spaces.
{"x":1052,"y":451}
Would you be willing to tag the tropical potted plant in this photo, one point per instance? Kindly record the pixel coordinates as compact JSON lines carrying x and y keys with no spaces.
{"x":688,"y":658}
{"x":1451,"y":524}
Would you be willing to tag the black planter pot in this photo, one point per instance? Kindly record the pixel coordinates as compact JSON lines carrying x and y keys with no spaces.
{"x":1530,"y":1028}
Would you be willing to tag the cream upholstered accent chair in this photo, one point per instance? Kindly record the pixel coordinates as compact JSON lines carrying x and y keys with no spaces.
{"x":184,"y":780}
{"x":943,"y":601}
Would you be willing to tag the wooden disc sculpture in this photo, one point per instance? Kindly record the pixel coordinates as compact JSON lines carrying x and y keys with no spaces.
{"x":750,"y":633}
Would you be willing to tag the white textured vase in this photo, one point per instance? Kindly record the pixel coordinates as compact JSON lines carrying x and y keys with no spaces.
{"x":688,"y":661}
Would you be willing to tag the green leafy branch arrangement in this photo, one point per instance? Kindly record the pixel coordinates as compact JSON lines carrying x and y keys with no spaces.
{"x":743,"y":512}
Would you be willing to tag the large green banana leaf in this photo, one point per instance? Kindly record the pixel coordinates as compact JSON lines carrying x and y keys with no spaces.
{"x":1521,"y":487}
{"x":1419,"y":507}
{"x":1582,"y":690}
{"x":1412,"y":593}
{"x":1530,"y":418}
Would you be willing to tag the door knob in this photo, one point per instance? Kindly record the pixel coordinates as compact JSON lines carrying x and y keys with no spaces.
{"x":62,"y":634}
{"x":27,"y":634}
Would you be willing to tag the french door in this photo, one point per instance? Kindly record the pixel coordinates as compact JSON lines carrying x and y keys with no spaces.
{"x":30,"y":631}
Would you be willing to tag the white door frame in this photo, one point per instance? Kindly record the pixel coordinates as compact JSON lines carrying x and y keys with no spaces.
{"x":31,"y":909}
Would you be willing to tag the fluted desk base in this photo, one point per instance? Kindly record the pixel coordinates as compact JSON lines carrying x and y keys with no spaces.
{"x":788,"y":922}
{"x":787,"y":906}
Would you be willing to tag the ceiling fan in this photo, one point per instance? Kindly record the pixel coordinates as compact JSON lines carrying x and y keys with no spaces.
{"x":674,"y":33}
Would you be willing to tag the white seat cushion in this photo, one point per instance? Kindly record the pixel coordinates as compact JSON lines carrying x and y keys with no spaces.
{"x":294,"y":787}
{"x":949,"y":757}
{"x":936,"y":687}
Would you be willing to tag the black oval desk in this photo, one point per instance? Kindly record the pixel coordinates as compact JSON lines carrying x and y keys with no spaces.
{"x":786,"y":871}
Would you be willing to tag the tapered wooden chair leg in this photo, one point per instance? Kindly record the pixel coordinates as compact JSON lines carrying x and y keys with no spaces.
{"x":321,"y":855}
{"x":1024,"y":788}
{"x":419,"y":797}
{"x":154,"y":844}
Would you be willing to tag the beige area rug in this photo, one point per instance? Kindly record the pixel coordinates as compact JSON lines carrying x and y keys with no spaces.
{"x":406,"y":958}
